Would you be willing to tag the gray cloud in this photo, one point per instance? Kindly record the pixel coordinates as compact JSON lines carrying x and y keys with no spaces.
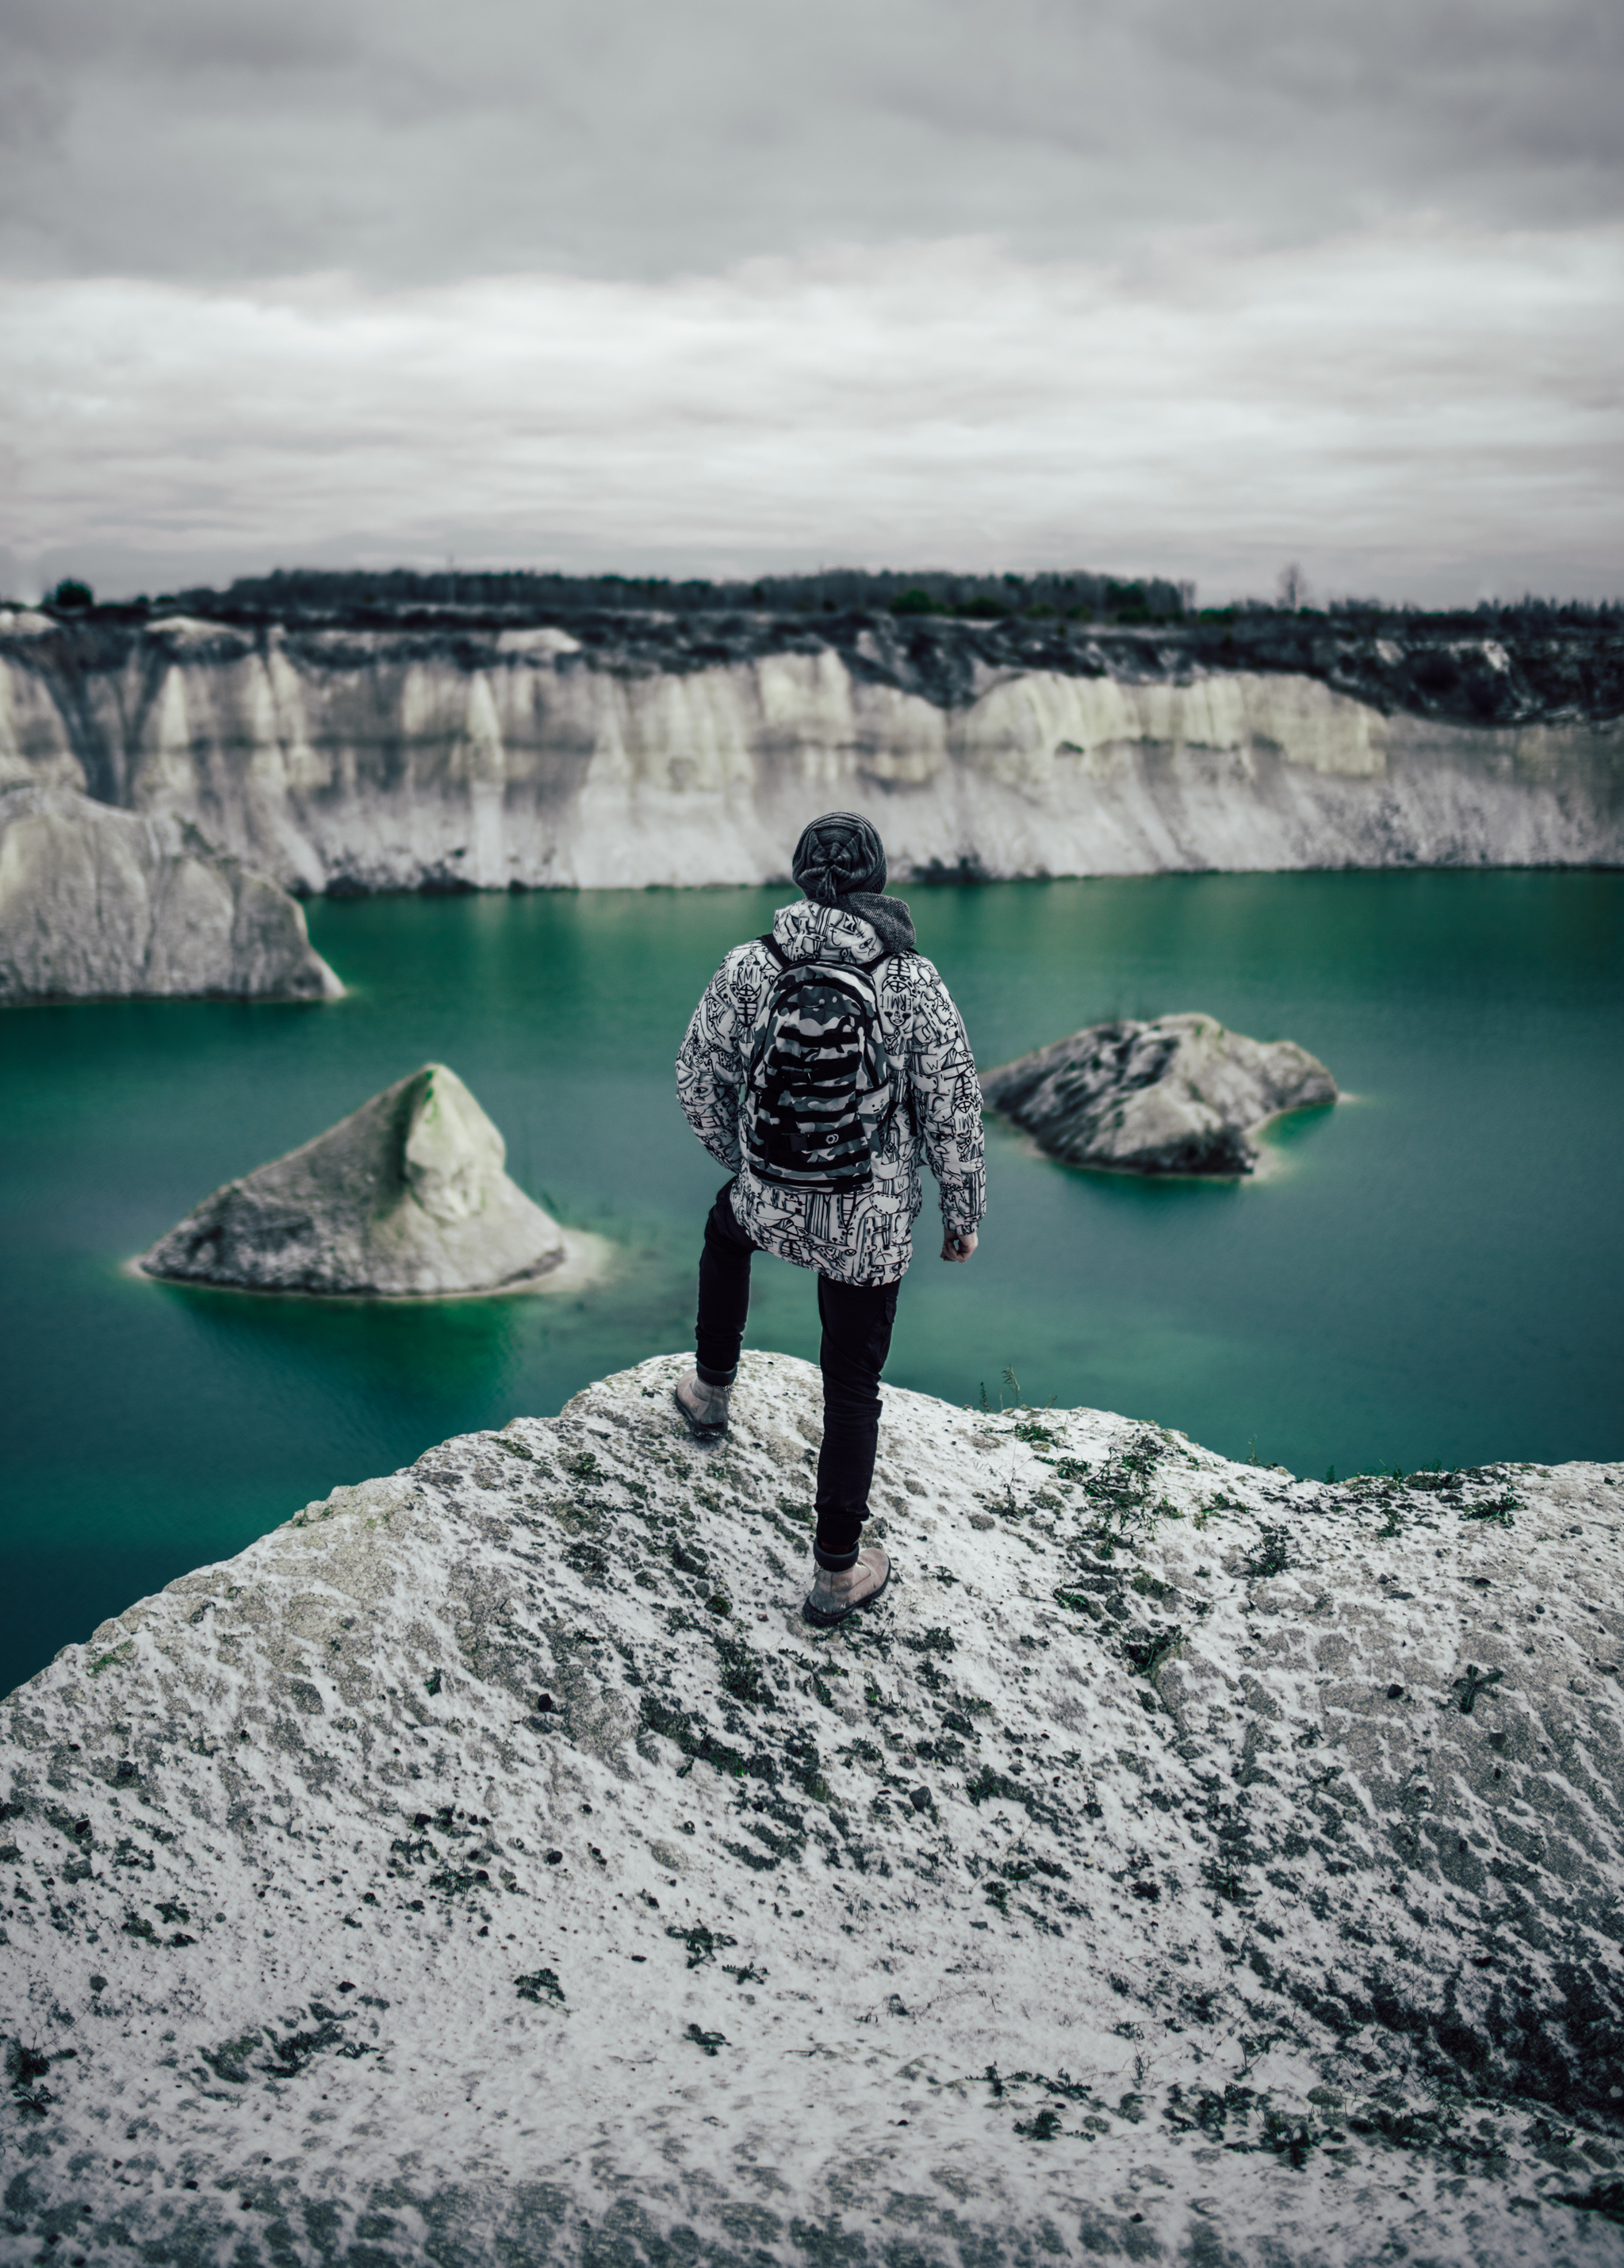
{"x":1414,"y":409}
{"x":1185,"y":284}
{"x":406,"y":142}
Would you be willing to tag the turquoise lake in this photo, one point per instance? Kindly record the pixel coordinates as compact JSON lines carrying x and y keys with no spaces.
{"x":1430,"y":1271}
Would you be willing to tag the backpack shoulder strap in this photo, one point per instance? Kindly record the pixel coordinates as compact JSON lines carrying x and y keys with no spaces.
{"x":774,"y":947}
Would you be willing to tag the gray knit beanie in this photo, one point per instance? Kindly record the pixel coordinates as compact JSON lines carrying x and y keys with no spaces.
{"x":837,"y":854}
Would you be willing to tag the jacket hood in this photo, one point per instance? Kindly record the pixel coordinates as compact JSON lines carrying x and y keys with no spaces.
{"x":856,"y":929}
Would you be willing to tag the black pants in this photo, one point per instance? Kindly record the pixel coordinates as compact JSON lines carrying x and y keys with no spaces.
{"x":856,"y":1321}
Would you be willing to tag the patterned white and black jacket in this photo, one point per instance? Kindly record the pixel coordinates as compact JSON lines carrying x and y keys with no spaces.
{"x":864,"y":1235}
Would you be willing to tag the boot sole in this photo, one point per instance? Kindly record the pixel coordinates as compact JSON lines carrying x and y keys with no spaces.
{"x":822,"y":1620}
{"x":700,"y":1433}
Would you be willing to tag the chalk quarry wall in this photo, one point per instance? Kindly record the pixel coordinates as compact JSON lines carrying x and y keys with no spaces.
{"x":390,"y":760}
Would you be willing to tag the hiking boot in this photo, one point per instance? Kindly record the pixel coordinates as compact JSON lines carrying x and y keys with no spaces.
{"x":837,"y":1592}
{"x":703,"y":1406}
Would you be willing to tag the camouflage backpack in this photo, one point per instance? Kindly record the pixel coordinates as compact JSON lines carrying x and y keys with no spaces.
{"x":818,"y":1086}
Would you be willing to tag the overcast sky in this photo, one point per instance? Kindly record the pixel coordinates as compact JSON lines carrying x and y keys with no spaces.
{"x":1190,"y":286}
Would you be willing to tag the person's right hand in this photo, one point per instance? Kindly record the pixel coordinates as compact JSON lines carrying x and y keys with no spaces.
{"x":960,"y":1246}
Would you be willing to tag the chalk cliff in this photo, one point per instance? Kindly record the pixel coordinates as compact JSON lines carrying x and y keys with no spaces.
{"x":1178,"y":1096}
{"x":636,"y":750}
{"x":1183,"y":1863}
{"x":404,"y":1198}
{"x":96,"y":901}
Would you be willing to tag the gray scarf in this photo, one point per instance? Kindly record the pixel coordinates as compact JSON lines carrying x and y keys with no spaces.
{"x":889,"y":917}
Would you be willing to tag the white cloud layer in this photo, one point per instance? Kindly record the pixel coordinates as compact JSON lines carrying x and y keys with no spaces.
{"x":1417,"y":408}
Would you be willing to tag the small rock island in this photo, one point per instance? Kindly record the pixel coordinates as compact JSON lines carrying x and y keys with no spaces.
{"x":1178,"y":1096}
{"x":405,"y":1198}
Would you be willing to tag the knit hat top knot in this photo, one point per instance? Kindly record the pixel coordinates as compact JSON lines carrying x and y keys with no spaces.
{"x":838,"y":854}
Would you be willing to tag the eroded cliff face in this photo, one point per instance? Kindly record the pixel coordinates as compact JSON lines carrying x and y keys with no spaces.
{"x":97,"y":903}
{"x":1179,"y":1863}
{"x":612,"y":754}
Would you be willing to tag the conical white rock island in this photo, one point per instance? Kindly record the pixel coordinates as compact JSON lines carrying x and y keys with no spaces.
{"x":405,"y":1198}
{"x":1182,"y":1863}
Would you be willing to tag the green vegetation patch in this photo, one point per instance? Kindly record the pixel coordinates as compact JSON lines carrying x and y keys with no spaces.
{"x":1145,"y":1655}
{"x":1119,"y":1490}
{"x":697,"y":1739}
{"x":741,"y":1675}
{"x":291,"y":2054}
{"x":703,"y":1943}
{"x":1272,"y":1554}
{"x":990,"y":1787}
{"x":453,"y":1881}
{"x":229,"y":2060}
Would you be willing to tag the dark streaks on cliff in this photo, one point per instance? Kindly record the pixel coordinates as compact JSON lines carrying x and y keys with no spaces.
{"x":1520,"y":666}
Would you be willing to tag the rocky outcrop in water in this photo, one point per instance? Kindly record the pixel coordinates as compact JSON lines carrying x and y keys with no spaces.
{"x":634,"y":748}
{"x":96,"y":903}
{"x":405,"y":1198}
{"x":1182,"y":1863}
{"x":1180,"y":1095}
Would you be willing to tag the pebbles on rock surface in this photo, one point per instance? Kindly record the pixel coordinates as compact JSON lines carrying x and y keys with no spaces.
{"x":1180,"y":1095}
{"x":97,"y":903}
{"x":406,"y":1197}
{"x":1183,"y":1862}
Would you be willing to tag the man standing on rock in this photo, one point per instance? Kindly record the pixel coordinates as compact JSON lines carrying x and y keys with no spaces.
{"x":822,"y":1059}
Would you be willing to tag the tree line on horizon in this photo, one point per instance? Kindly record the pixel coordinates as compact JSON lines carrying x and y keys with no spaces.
{"x":1079,"y":595}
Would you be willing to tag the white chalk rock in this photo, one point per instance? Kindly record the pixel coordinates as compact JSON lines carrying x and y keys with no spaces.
{"x":1180,"y":1095}
{"x":406,"y":1198}
{"x":1181,"y":1864}
{"x":401,"y":758}
{"x":96,"y":903}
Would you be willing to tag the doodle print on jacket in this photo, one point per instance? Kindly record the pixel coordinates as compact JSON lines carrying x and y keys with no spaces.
{"x":865,"y":1235}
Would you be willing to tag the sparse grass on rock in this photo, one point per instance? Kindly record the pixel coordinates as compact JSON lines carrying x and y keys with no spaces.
{"x":1182,"y":1862}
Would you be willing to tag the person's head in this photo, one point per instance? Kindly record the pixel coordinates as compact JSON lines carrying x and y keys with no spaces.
{"x":838,"y":854}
